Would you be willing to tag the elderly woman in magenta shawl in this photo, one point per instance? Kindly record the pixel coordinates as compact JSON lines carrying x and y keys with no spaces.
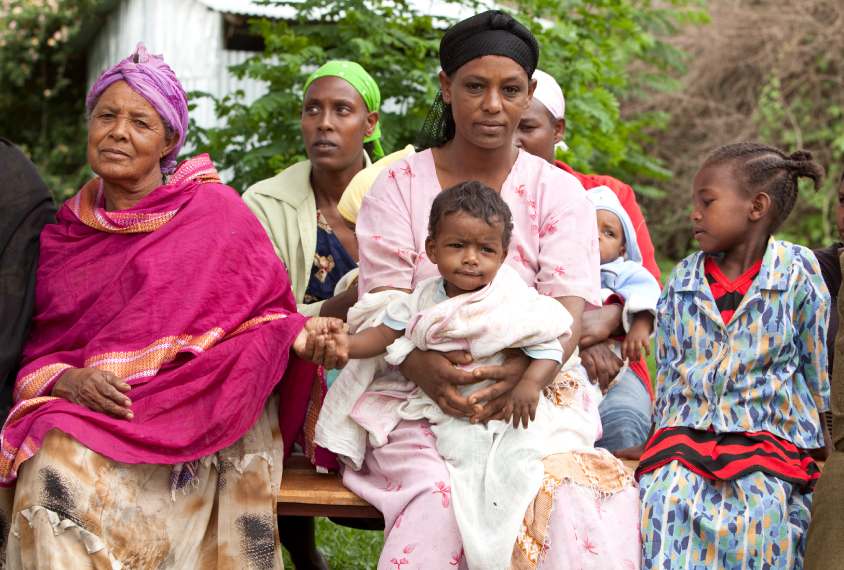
{"x":158,"y":394}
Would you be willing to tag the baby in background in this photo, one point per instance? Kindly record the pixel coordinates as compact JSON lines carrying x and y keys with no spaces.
{"x":623,"y":278}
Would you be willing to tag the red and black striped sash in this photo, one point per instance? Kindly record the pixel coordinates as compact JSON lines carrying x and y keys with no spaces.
{"x":729,"y":456}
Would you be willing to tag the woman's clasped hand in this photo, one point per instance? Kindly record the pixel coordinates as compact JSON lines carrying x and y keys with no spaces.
{"x":98,"y":390}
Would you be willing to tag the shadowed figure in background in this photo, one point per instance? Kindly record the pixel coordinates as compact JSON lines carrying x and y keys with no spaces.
{"x":26,"y":206}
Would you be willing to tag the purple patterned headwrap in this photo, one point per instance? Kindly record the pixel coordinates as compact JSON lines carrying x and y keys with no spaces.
{"x":153,"y":79}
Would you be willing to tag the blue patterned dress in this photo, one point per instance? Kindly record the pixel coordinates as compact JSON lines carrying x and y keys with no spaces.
{"x":764,"y":370}
{"x":331,"y":263}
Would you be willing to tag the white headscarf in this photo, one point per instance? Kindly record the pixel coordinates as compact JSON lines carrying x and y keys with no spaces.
{"x":549,"y":94}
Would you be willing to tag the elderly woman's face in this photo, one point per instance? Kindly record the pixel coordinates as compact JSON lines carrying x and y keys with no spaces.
{"x":488,"y":96}
{"x":335,"y":120}
{"x":126,"y":136}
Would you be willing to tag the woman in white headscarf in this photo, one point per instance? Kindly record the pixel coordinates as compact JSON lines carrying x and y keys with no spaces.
{"x":626,"y":409}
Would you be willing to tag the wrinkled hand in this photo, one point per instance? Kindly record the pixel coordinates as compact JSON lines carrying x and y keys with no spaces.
{"x":601,"y":364}
{"x":598,"y":325}
{"x":435,"y":375}
{"x":497,"y":395}
{"x":318,"y":341}
{"x":97,"y":390}
{"x":522,"y":405}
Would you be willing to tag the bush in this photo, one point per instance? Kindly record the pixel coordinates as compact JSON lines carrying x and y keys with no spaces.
{"x":42,"y":98}
{"x":769,"y":70}
{"x":589,"y":45}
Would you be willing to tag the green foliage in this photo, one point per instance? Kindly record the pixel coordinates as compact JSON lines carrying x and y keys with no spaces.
{"x":42,"y":83}
{"x":789,"y":118}
{"x":601,"y":51}
{"x":345,"y":548}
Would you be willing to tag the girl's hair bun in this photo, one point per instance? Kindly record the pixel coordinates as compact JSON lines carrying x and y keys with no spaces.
{"x":801,"y":156}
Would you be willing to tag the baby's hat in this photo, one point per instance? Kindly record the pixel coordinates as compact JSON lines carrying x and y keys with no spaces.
{"x":605,"y":199}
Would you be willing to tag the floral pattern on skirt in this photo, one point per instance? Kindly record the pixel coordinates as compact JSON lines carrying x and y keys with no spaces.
{"x":73,"y":508}
{"x":694,"y":522}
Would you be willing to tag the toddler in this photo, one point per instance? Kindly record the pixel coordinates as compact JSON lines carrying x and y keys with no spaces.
{"x":479,"y":305}
{"x":726,"y":481}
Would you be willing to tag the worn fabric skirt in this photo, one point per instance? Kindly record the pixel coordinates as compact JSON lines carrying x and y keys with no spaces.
{"x":73,"y":508}
{"x":585,"y":516}
{"x":694,"y":522}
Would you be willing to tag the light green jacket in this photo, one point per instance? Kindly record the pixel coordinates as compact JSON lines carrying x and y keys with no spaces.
{"x":286,"y":207}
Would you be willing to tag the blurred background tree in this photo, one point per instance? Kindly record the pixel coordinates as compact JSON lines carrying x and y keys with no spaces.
{"x":767,"y":70}
{"x":587,"y":44}
{"x":650,"y":87}
{"x":42,"y":86}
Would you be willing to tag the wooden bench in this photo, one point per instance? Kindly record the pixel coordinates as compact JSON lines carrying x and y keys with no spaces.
{"x":304,"y":492}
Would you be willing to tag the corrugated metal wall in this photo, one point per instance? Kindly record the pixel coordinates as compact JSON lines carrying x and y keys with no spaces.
{"x":188,"y":34}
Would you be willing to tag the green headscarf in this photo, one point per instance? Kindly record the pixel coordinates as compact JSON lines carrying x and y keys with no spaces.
{"x":363,"y":82}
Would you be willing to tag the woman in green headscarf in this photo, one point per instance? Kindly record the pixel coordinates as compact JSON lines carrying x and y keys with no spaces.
{"x":298,"y":207}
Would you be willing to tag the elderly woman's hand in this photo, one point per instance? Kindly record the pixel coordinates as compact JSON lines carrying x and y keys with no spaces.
{"x":315,"y":343}
{"x":436,"y":375}
{"x":97,"y":390}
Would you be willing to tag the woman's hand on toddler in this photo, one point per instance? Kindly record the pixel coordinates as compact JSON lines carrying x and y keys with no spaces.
{"x":323,"y":341}
{"x":639,"y":337}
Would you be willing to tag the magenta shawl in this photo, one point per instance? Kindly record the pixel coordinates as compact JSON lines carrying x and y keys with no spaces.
{"x":182,"y":296}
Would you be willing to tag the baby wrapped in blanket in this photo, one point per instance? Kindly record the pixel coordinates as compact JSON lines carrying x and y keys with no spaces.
{"x":483,"y":307}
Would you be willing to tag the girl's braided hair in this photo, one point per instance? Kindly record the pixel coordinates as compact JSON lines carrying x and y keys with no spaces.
{"x":759,"y":167}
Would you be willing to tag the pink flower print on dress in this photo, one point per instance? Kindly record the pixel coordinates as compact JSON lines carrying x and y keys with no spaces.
{"x":589,"y":547}
{"x":426,"y":431}
{"x":456,"y":557}
{"x":389,"y":488}
{"x":599,"y":509}
{"x":392,"y":174}
{"x":398,"y":519}
{"x":520,"y":191}
{"x":376,"y":238}
{"x":559,"y":270}
{"x":520,"y":257}
{"x":365,"y":472}
{"x":409,"y":548}
{"x":399,"y":563}
{"x":629,"y":564}
{"x":550,"y":228}
{"x":444,"y":491}
{"x":407,"y":172}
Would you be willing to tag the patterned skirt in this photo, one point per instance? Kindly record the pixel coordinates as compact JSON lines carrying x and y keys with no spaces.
{"x":694,"y":522}
{"x":73,"y":508}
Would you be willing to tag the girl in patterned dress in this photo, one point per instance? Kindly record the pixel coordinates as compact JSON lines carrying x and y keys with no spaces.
{"x":726,"y":480}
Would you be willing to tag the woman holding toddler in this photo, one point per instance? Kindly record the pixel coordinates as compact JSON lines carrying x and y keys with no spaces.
{"x":488,"y":62}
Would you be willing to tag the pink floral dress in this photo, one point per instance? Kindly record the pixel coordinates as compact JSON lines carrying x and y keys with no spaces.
{"x":554,"y":249}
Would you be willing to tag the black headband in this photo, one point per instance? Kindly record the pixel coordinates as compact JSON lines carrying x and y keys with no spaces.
{"x":490,"y":33}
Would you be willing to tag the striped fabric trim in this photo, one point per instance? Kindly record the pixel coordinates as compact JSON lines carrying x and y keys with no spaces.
{"x":35,"y":384}
{"x":148,"y":361}
{"x":11,"y":457}
{"x":85,"y":206}
{"x":128,"y":365}
{"x":730,"y":456}
{"x":197,"y":168}
{"x":252,"y":322}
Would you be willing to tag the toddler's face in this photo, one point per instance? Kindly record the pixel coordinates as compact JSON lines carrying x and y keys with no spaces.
{"x":610,"y":236}
{"x":467,"y":251}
